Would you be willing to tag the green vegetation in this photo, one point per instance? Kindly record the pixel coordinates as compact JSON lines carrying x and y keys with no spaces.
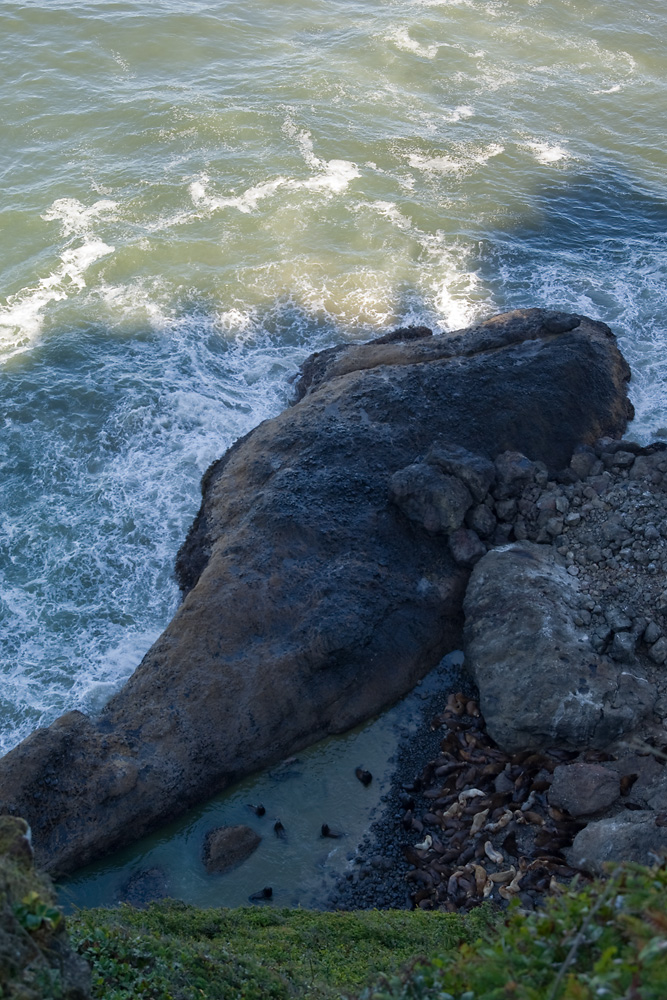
{"x":176,"y":952}
{"x":609,"y":940}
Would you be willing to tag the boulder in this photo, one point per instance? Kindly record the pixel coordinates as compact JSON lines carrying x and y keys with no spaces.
{"x":312,"y":598}
{"x":584,"y":789}
{"x":226,"y":847}
{"x":541,"y":683}
{"x":629,"y":836}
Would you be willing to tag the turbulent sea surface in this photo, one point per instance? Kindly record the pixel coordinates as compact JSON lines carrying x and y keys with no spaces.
{"x":196,"y":195}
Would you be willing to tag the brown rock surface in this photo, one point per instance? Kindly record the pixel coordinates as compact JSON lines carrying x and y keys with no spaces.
{"x":584,"y":789}
{"x":226,"y":847}
{"x":312,"y":601}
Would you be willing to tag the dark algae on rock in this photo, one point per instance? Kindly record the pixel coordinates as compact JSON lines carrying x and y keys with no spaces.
{"x":315,"y":597}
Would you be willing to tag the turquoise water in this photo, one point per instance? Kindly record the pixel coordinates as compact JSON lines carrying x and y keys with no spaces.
{"x":196,"y":195}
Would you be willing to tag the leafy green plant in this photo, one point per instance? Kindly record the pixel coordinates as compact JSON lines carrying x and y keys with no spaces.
{"x":34,"y":914}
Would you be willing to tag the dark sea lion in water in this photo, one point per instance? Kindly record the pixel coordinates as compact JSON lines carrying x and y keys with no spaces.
{"x":326,"y":831}
{"x":365,"y":777}
{"x":262,"y":895}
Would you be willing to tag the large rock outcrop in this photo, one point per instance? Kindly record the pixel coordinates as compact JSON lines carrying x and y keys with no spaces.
{"x":323,"y":575}
{"x":541,"y":683}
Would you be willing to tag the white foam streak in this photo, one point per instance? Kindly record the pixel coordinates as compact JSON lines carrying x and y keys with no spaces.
{"x":547,"y":153}
{"x":334,"y":178}
{"x":22,"y":317}
{"x":75,"y":218}
{"x":402,"y":40}
{"x":460,"y":113}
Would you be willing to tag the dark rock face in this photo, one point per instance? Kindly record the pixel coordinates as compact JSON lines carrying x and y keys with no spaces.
{"x":226,"y":847}
{"x":312,"y":598}
{"x":540,"y":681}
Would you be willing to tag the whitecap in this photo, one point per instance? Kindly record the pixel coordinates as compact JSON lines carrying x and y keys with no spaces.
{"x":460,"y":113}
{"x":435,"y":164}
{"x":402,"y":40}
{"x":21,"y":317}
{"x":334,"y":177}
{"x":75,"y":218}
{"x":546,"y":153}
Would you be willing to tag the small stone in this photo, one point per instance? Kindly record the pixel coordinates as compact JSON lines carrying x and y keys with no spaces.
{"x":506,"y":509}
{"x":481,"y":520}
{"x":652,"y":633}
{"x":617,"y":620}
{"x":623,"y":460}
{"x":430,"y":498}
{"x":475,"y":472}
{"x":513,"y":471}
{"x":658,"y":651}
{"x":623,"y":647}
{"x":466,"y":547}
{"x":582,"y":461}
{"x":554,"y":526}
{"x":573,"y":570}
{"x":572,"y":519}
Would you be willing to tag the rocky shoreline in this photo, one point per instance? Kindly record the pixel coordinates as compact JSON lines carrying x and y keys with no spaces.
{"x":419,"y":484}
{"x":541,"y":816}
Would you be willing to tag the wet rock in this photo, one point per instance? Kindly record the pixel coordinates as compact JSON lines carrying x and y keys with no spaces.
{"x":144,"y":887}
{"x":584,"y":789}
{"x":540,"y":681}
{"x":226,"y":847}
{"x":311,"y":600}
{"x":629,"y":836}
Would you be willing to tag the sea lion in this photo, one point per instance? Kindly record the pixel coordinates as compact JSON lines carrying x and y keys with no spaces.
{"x":365,"y":777}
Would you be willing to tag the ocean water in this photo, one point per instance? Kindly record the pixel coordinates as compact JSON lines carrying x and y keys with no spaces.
{"x":196,"y":195}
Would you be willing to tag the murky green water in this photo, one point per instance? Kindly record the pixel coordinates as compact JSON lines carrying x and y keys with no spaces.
{"x":196,"y":195}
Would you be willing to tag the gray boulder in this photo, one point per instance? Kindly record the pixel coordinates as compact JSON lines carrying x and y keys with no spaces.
{"x":630,"y":836}
{"x":540,"y":682}
{"x":584,"y":789}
